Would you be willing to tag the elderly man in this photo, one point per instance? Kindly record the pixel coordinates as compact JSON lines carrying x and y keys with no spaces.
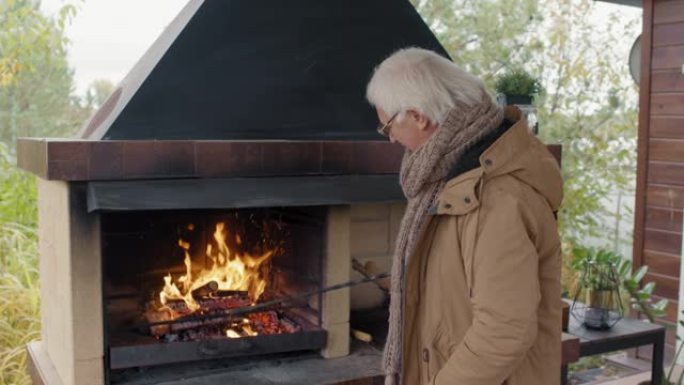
{"x":475,"y":289}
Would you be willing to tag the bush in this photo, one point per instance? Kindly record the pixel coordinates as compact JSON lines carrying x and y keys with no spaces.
{"x":19,"y":300}
{"x":19,"y":291}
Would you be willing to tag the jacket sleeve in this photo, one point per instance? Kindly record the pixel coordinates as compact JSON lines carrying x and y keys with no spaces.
{"x":505,"y":297}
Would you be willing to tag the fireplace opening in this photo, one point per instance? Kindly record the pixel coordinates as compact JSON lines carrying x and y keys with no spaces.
{"x":182,"y":285}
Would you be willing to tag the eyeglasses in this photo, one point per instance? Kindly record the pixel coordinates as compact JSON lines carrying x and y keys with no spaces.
{"x":384,"y":129}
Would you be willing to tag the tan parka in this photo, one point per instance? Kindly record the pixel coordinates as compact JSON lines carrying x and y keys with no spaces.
{"x":482,"y":303}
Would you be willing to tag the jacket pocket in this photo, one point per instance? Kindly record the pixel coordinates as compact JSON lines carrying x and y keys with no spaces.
{"x":468,"y":233}
{"x":440,"y":351}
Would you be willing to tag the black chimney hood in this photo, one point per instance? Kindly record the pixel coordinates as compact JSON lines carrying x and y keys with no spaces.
{"x":261,"y":70}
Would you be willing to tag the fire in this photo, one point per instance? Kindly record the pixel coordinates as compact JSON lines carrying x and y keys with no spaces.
{"x":230,"y":270}
{"x":230,"y":333}
{"x":245,"y":327}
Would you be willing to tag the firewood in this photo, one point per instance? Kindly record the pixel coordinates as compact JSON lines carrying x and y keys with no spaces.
{"x":178,"y":323}
{"x":219,"y":303}
{"x":195,"y":324}
{"x":362,"y":336}
{"x":153,"y":315}
{"x":265,"y":322}
{"x":208,"y":289}
{"x":176,"y":310}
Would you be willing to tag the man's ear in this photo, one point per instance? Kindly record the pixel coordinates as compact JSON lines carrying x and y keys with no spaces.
{"x":421,"y":120}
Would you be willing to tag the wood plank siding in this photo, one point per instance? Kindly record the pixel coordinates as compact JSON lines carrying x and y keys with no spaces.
{"x":660,"y":169}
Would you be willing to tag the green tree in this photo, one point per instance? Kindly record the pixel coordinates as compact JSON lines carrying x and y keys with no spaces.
{"x":485,"y":36}
{"x":35,"y":80}
{"x":98,"y":91}
{"x":589,"y":104}
{"x":35,"y":100}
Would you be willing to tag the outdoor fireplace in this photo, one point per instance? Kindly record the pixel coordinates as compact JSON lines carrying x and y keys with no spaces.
{"x":171,"y":280}
{"x":124,"y":288}
{"x":236,"y":164}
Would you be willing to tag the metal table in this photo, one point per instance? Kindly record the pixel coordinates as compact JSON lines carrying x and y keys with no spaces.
{"x":628,"y":333}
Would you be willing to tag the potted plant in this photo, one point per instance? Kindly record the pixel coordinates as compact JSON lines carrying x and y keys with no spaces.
{"x":597,"y":302}
{"x":636,"y":295}
{"x":518,"y":86}
{"x":601,"y":289}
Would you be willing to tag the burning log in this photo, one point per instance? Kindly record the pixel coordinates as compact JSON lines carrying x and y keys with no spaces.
{"x":181,"y":323}
{"x":162,"y":330}
{"x":265,"y":322}
{"x":157,"y":316}
{"x":170,"y":318}
{"x":262,"y":323}
{"x":212,"y":290}
{"x":262,"y":307}
{"x":207,"y":290}
{"x":210,"y":304}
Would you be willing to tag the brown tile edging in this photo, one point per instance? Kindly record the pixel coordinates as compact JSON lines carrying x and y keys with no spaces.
{"x":83,"y":160}
{"x":32,"y":156}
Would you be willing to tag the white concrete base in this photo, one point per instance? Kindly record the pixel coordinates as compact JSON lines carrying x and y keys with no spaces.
{"x":40,"y":366}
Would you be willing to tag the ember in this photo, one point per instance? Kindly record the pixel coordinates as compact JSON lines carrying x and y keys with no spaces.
{"x":263,"y":323}
{"x":191,"y":306}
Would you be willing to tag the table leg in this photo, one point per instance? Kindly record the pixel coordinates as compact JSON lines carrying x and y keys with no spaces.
{"x":657,"y":363}
{"x":564,"y":375}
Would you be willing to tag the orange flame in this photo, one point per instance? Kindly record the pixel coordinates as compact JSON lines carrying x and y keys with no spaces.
{"x":230,"y":333}
{"x":230,"y":270}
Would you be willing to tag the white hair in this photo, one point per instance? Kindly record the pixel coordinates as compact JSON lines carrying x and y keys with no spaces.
{"x":415,"y":78}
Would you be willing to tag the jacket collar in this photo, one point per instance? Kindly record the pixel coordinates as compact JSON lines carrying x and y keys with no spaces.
{"x":498,"y":158}
{"x":460,"y":195}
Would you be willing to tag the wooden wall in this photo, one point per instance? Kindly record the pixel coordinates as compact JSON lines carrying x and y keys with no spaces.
{"x":660,"y":170}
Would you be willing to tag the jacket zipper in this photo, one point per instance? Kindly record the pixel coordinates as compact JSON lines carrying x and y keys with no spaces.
{"x":404,"y":296}
{"x":477,"y":235}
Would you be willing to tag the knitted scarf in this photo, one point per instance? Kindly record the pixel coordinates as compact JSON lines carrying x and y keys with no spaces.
{"x":423,"y":175}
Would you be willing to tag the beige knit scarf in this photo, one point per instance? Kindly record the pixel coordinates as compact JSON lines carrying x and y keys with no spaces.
{"x":423,"y":175}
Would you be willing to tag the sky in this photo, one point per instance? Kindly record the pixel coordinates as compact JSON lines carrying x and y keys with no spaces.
{"x":109,"y":36}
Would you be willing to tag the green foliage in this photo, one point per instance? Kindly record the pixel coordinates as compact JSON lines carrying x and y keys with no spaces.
{"x":19,"y":294}
{"x":639,"y":297}
{"x":98,"y":91}
{"x":585,"y":255}
{"x":35,"y":100}
{"x":17,"y":192}
{"x":485,"y":36}
{"x":517,"y":82}
{"x":19,"y":300}
{"x":586,"y":106}
{"x":586,"y":363}
{"x":35,"y":80}
{"x":588,"y":103}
